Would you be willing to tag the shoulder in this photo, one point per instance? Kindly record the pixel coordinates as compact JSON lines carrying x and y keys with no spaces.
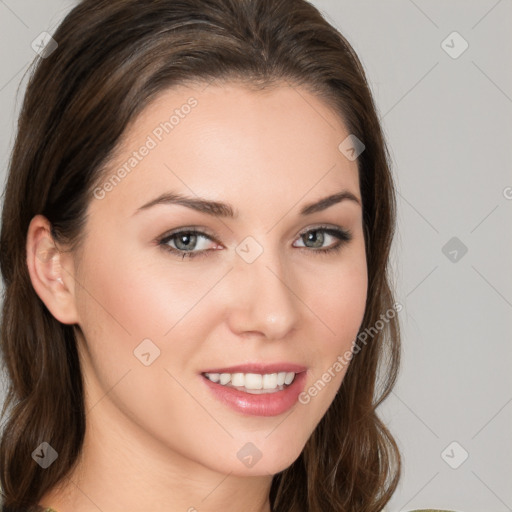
{"x":430,"y":510}
{"x":419,"y":510}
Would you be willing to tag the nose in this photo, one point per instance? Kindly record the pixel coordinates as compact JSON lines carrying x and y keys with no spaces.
{"x":261,"y":299}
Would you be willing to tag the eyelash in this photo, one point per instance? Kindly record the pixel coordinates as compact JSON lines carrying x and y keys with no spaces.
{"x":344,"y":236}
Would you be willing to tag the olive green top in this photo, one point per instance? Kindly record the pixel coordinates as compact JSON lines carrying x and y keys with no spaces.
{"x":418,"y":510}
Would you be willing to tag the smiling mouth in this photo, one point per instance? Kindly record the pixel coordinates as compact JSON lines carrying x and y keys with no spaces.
{"x":254,"y":383}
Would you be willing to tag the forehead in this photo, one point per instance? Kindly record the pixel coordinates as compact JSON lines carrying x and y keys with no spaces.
{"x":216,"y":140}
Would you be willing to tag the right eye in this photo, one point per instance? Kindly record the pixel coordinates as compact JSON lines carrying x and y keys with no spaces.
{"x":186,"y":243}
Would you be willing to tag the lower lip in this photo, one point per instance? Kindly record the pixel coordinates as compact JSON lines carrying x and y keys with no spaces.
{"x":268,"y":404}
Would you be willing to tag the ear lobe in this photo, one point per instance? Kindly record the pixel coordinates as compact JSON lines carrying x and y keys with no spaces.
{"x":52,"y":282}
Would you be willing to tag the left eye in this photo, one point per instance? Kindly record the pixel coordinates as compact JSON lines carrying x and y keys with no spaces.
{"x":186,"y":241}
{"x":317,"y":237}
{"x":193,"y":243}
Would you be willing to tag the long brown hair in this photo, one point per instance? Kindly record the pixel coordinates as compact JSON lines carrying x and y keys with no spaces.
{"x":113,"y":58}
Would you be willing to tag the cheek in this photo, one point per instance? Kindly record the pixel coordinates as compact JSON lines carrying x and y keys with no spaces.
{"x":123,"y":302}
{"x":135,"y":298}
{"x":340,"y":301}
{"x":339,"y":305}
{"x":129,"y":297}
{"x":343,"y":304}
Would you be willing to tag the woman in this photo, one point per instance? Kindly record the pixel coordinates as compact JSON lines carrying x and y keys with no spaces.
{"x":195,"y":240}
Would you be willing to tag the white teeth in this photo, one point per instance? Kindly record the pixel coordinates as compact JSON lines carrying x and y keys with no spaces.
{"x":224,"y":378}
{"x":253,"y":381}
{"x":289,"y":378}
{"x":270,"y":381}
{"x":237,"y":379}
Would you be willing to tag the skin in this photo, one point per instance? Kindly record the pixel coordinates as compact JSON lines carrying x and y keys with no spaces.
{"x":157,"y":439}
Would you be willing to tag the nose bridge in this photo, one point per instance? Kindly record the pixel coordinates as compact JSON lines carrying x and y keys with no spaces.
{"x":263,"y":300}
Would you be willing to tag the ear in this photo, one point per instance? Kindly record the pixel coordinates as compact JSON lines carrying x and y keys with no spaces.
{"x":51,"y":271}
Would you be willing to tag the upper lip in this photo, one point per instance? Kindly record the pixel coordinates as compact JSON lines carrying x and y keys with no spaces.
{"x":259,"y":368}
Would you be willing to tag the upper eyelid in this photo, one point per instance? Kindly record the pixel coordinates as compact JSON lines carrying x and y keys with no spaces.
{"x":199,"y":231}
{"x":195,"y":231}
{"x":203,"y":231}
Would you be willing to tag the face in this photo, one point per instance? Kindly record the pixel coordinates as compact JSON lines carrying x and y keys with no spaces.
{"x":255,"y":274}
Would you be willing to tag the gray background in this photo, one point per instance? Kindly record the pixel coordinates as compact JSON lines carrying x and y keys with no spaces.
{"x":448,"y":123}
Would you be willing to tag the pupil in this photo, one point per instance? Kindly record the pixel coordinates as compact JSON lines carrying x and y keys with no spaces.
{"x":316,"y":237}
{"x":186,"y":241}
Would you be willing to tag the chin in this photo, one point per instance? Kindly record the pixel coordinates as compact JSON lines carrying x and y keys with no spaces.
{"x":264,"y":458}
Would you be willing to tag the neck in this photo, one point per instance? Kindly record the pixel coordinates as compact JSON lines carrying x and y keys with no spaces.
{"x":124,"y":469}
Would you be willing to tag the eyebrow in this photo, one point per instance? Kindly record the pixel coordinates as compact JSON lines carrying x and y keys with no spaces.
{"x":219,"y":209}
